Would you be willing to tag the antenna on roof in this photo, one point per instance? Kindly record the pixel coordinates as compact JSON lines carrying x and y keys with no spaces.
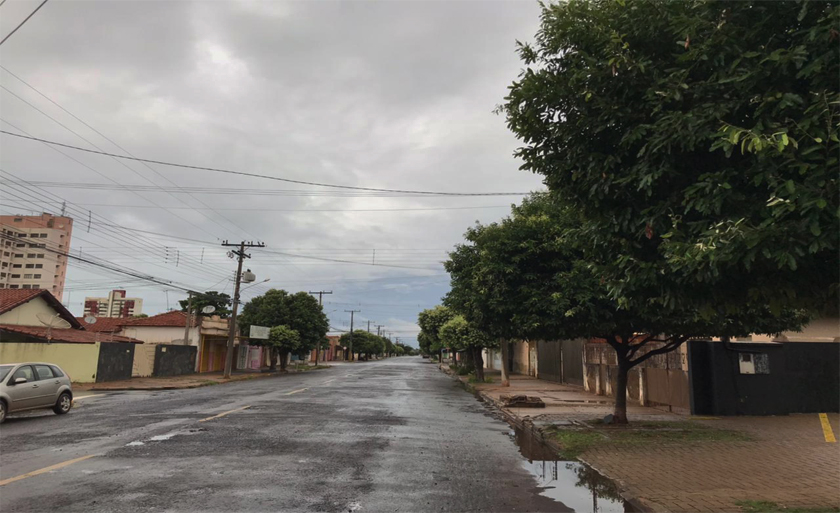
{"x":52,"y":321}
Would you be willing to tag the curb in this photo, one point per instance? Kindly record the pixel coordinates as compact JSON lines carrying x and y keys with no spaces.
{"x":635,"y":503}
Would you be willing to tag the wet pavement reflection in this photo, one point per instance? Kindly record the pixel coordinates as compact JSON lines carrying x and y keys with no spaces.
{"x":574,"y":484}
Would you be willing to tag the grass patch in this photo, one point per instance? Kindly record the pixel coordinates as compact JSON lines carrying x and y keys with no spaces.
{"x":474,"y":379}
{"x":769,"y":507}
{"x":574,"y":442}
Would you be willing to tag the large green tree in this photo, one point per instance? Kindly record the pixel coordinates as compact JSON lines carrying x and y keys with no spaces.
{"x":299,"y":312}
{"x":218,"y":300}
{"x":530,"y":276}
{"x":699,"y":141}
{"x":364,"y":343}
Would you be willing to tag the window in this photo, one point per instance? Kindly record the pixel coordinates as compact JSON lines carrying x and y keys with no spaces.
{"x":39,"y":255}
{"x":15,"y":266}
{"x":27,"y":276}
{"x":6,"y":253}
{"x":36,"y":276}
{"x":13,"y":286}
{"x":15,"y":276}
{"x":20,"y":245}
{"x":18,"y":219}
{"x":2,"y":275}
{"x":37,"y":245}
{"x":30,"y":255}
{"x":18,"y":255}
{"x":30,"y":266}
{"x":26,"y":287}
{"x":36,"y":287}
{"x":21,"y":235}
{"x":44,"y":372}
{"x":57,"y":372}
{"x":44,"y":235}
{"x":39,"y":266}
{"x":2,"y":285}
{"x":5,"y":265}
{"x":23,"y":372}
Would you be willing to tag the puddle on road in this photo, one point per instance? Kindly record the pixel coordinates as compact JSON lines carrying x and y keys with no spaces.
{"x":572,"y":483}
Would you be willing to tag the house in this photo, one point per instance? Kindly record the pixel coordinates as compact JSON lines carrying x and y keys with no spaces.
{"x":330,"y":352}
{"x":35,"y":326}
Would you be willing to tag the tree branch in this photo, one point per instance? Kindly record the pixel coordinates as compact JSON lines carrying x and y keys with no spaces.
{"x":634,"y":348}
{"x":667,"y":348}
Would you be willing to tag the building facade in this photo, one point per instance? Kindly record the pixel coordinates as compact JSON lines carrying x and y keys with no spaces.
{"x":115,"y":305}
{"x":31,"y":252}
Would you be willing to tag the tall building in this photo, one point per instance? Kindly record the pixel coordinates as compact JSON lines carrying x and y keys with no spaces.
{"x":30,"y":250}
{"x":115,"y":305}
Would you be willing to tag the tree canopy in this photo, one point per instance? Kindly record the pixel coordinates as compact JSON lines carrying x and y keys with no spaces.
{"x":364,"y":343}
{"x":219,"y":300}
{"x":299,"y":312}
{"x":284,"y":341}
{"x":430,"y":322}
{"x":699,"y":141}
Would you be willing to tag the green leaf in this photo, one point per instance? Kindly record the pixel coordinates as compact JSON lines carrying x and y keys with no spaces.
{"x":790,"y":186}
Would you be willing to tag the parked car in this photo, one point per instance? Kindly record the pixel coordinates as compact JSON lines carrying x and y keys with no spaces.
{"x":31,"y":386}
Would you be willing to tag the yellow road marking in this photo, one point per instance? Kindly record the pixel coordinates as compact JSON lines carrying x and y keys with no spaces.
{"x":296,"y":391}
{"x":826,"y":427}
{"x":225,"y":413}
{"x":45,"y":469}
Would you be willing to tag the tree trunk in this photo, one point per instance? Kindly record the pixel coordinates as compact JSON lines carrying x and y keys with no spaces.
{"x":505,"y":372}
{"x":284,"y":355}
{"x":317,"y":353}
{"x":272,"y":359}
{"x":479,"y":364}
{"x":620,"y":412}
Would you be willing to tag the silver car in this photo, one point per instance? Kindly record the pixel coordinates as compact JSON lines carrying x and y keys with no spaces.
{"x":30,"y":386}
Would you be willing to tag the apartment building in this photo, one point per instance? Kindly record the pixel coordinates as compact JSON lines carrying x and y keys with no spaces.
{"x":115,"y":305}
{"x":31,"y":252}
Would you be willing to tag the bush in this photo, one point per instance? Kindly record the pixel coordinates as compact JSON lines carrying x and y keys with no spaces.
{"x":474,"y":379}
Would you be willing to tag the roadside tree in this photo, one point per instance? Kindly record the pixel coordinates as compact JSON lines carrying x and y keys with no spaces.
{"x":430,"y":322}
{"x":218,"y":300}
{"x":282,"y":341}
{"x":459,"y":334}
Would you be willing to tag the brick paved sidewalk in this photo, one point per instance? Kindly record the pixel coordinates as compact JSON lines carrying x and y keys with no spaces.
{"x":787,"y":460}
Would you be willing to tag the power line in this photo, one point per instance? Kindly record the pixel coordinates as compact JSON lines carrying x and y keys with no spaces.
{"x":267,"y":177}
{"x":24,"y":21}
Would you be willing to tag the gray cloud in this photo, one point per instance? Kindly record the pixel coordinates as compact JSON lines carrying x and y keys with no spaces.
{"x":383,"y":94}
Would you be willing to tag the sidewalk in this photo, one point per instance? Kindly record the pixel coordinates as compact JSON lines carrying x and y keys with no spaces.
{"x":669,"y":462}
{"x":179,"y":382}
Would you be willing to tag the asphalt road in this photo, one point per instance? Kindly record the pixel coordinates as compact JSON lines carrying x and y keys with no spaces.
{"x":391,"y":435}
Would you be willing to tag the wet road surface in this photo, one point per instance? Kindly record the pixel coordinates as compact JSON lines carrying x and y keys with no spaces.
{"x":391,"y":435}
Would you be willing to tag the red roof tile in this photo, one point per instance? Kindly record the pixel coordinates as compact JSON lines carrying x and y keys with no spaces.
{"x":11,"y":298}
{"x":104,"y":324}
{"x":75,"y":336}
{"x":174,"y":318}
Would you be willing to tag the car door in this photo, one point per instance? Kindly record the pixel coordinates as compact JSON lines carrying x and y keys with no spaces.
{"x":48,"y":385}
{"x":23,"y":395}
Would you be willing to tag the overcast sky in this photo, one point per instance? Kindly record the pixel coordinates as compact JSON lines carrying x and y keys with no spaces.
{"x":375,"y":94}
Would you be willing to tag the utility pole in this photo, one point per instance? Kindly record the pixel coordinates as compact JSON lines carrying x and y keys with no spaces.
{"x":321,"y":304}
{"x":379,"y":329}
{"x":351,"y":331}
{"x":369,"y":326}
{"x":188,"y":319}
{"x":240,"y":253}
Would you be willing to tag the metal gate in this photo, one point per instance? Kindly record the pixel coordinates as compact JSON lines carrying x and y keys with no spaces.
{"x":548,"y":361}
{"x":572,"y":351}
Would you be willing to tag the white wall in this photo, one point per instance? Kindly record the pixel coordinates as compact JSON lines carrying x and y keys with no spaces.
{"x":27,"y":313}
{"x":160,"y":334}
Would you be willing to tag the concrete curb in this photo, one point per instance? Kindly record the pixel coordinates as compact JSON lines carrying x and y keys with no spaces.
{"x":635,"y":503}
{"x":255,"y":375}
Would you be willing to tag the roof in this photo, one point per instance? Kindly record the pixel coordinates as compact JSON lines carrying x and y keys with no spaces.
{"x":13,"y":298}
{"x":171,"y":319}
{"x":104,"y":324}
{"x":74,"y":336}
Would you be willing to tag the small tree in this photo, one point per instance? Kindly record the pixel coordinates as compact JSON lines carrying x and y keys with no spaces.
{"x":282,"y":341}
{"x":461,"y":335}
{"x":218,"y":300}
{"x":430,"y":322}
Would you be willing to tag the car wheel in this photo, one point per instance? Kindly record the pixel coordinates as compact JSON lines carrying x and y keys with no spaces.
{"x":2,"y":412}
{"x":63,"y":404}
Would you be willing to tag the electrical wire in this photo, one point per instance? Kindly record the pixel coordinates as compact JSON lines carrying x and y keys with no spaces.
{"x":24,"y":21}
{"x":267,"y":177}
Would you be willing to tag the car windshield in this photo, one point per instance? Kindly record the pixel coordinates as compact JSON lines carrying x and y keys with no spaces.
{"x":4,"y":371}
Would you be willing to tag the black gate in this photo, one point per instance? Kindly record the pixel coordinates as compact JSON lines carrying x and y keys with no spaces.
{"x":573,"y":361}
{"x":172,"y":360}
{"x":115,"y":361}
{"x":548,"y":361}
